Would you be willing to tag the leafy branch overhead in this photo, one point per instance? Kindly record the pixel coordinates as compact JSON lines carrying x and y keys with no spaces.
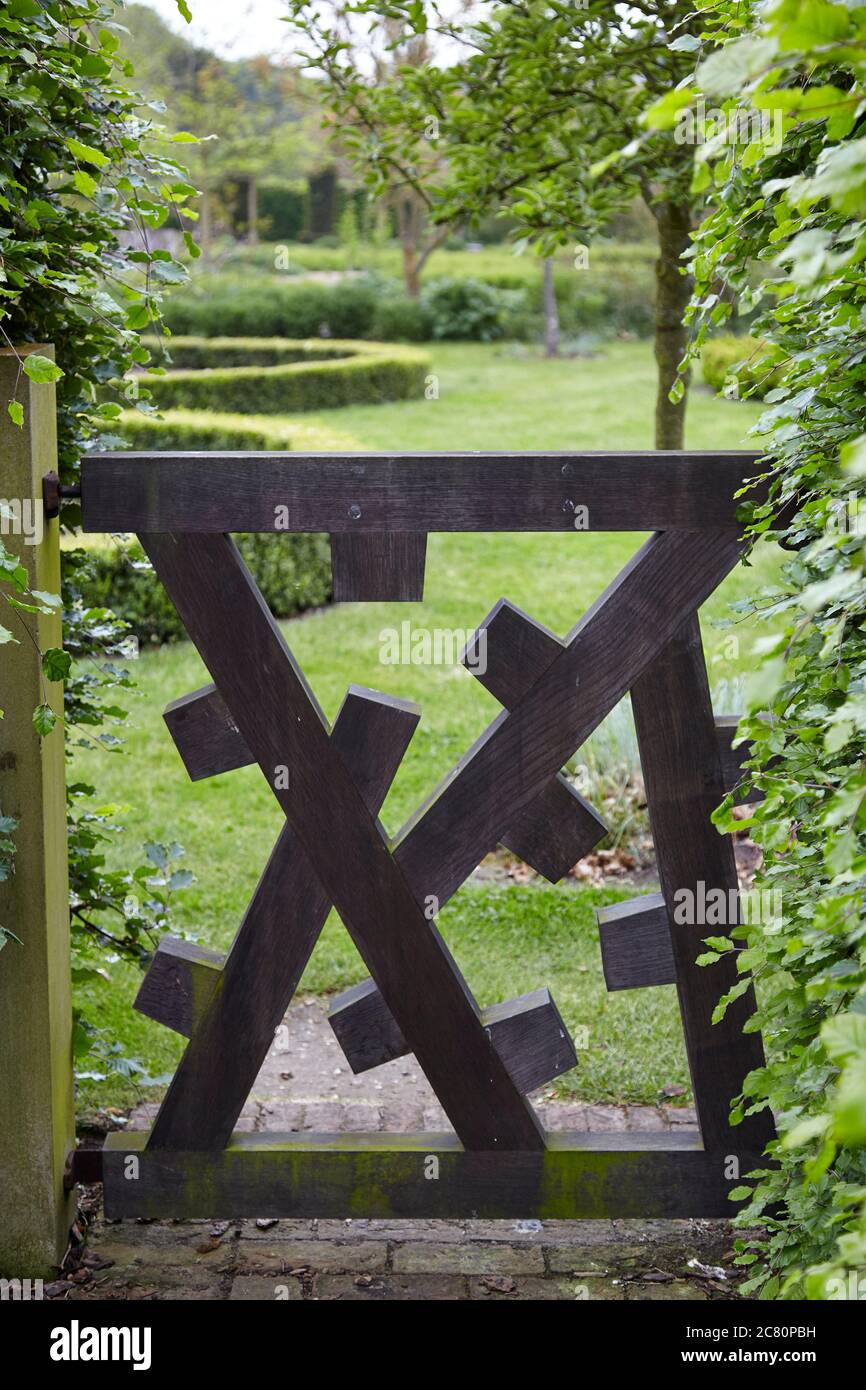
{"x":524,"y":109}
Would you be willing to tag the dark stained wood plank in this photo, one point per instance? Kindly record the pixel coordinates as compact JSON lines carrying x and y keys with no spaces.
{"x":365,"y":1028}
{"x":508,"y":654}
{"x":528,"y":1033}
{"x":732,"y":759}
{"x":580,"y":1176}
{"x":635,"y":943}
{"x":556,"y":830}
{"x":531,"y":1038}
{"x":509,"y":765}
{"x":216,"y":492}
{"x":387,"y":567}
{"x":235,"y":1028}
{"x":509,"y":651}
{"x":682,"y":773}
{"x":282,"y":725}
{"x":205,"y":734}
{"x":179,"y":984}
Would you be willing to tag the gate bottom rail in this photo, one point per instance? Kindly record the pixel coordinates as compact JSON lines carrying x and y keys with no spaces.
{"x":578,"y":1176}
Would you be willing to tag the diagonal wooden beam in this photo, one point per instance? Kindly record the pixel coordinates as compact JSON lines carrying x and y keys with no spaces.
{"x":612,"y":645}
{"x":284,"y":728}
{"x":249,"y":995}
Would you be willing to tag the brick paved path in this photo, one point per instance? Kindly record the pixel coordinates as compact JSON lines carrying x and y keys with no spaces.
{"x":306,"y":1085}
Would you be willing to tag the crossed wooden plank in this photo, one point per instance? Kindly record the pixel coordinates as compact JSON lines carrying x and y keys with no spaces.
{"x":378,"y":892}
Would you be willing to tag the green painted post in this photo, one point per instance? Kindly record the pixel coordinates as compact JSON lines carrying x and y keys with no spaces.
{"x":36,"y":1102}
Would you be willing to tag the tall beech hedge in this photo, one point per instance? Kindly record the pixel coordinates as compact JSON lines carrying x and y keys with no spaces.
{"x":786,"y":175}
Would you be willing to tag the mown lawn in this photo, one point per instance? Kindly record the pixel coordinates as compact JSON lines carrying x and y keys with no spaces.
{"x":506,"y":940}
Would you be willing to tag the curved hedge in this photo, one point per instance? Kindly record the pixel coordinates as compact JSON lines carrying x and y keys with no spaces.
{"x":317,"y":379}
{"x":208,"y":429}
{"x":197,"y":353}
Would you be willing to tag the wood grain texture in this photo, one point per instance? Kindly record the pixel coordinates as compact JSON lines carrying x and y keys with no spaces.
{"x":179,"y":984}
{"x":682,"y":773}
{"x":555,"y":831}
{"x":365,"y":1028}
{"x":283,"y":726}
{"x":635,"y":942}
{"x":509,"y":651}
{"x":218,"y":492}
{"x":387,"y":567}
{"x":528,"y":1033}
{"x":235,"y":1028}
{"x":205,"y":735}
{"x":579,"y":1176}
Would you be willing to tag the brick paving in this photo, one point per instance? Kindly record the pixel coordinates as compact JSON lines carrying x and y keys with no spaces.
{"x":306,"y":1085}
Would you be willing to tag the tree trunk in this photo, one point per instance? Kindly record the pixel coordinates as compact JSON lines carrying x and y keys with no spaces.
{"x":673,"y":290}
{"x":551,"y":313}
{"x":252,"y":211}
{"x":410,"y":272}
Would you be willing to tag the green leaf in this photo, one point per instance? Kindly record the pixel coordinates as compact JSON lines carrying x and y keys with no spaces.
{"x":44,"y":719}
{"x":844,"y":1036}
{"x":85,"y":183}
{"x":686,"y":43}
{"x":56,"y":664}
{"x":662,"y":115}
{"x":184,"y":9}
{"x":16,"y":413}
{"x":41,"y":369}
{"x":87,"y":153}
{"x":725,"y":71}
{"x":813,"y":1128}
{"x":49,"y":600}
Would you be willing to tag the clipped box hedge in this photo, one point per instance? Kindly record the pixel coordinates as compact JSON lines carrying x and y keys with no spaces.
{"x":208,"y":429}
{"x":198,"y":353}
{"x":364,"y":374}
{"x":749,"y":362}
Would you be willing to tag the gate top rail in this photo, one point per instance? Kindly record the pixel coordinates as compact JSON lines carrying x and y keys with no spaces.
{"x":248,"y":491}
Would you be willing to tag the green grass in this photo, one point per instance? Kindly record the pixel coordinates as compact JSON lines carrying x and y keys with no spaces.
{"x":504,"y":396}
{"x":506,"y":941}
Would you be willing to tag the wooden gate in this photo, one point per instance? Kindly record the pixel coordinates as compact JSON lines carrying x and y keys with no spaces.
{"x":641,"y":636}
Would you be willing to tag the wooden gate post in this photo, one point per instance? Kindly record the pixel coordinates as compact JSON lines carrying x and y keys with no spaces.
{"x":36,"y":1102}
